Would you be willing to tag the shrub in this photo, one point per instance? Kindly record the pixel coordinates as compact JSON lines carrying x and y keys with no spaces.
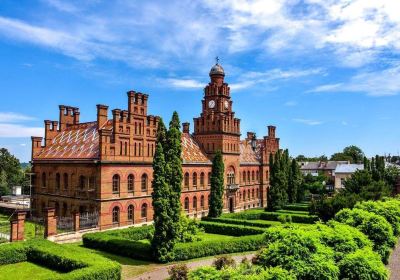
{"x":241,"y":272}
{"x":253,"y":214}
{"x":285,"y":219}
{"x":131,"y":233}
{"x":296,"y":218}
{"x":374,"y":226}
{"x":390,"y":210}
{"x":75,"y":262}
{"x":178,"y":272}
{"x":188,"y":229}
{"x":301,"y":254}
{"x":223,"y":261}
{"x":118,"y":245}
{"x":13,"y":253}
{"x":251,"y":223}
{"x":230,"y":229}
{"x":362,"y":264}
{"x":186,"y":251}
{"x":296,"y":207}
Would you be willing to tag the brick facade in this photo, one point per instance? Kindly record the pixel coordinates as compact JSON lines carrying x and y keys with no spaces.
{"x":106,"y":165}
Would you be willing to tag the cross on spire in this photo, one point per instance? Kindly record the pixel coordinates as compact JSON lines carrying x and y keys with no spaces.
{"x":217,"y":59}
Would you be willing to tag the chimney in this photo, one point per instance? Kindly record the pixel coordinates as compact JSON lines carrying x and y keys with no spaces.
{"x":36,"y":145}
{"x":271,"y":131}
{"x":131,"y":100}
{"x":76,"y":115}
{"x":102,"y":115}
{"x":186,"y":127}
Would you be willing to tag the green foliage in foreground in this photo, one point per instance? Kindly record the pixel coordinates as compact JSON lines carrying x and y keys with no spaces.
{"x":378,"y":230}
{"x":74,"y":263}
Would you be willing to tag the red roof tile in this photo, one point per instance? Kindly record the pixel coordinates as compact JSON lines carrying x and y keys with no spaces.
{"x":75,"y":142}
{"x":248,"y":155}
{"x":191,"y":152}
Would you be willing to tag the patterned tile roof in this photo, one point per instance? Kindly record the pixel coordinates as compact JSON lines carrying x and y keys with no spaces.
{"x":191,"y":152}
{"x":75,"y":142}
{"x":248,"y":155}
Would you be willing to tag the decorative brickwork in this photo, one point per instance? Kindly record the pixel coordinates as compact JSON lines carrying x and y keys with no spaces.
{"x":106,"y":165}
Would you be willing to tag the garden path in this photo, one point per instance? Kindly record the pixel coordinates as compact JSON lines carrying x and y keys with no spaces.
{"x":162,"y":272}
{"x":394,"y":263}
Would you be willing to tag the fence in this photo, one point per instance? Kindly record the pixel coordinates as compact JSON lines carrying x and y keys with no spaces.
{"x":65,"y":224}
{"x":38,"y":223}
{"x":88,"y":220}
{"x":5,"y":231}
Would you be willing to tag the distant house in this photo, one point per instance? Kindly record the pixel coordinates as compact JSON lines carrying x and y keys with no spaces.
{"x":326,"y":167}
{"x":344,"y":171}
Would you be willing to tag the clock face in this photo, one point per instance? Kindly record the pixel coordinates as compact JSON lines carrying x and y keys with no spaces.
{"x":211,"y":104}
{"x":226,"y":104}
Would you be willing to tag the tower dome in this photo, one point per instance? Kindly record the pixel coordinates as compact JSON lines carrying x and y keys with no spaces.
{"x":217,"y":70}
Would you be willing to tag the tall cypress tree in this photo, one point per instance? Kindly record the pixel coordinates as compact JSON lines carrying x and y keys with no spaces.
{"x":277,"y":193}
{"x":174,"y":171}
{"x":217,"y":186}
{"x":295,"y":181}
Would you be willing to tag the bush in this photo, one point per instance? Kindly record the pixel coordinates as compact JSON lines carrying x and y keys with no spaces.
{"x":374,"y":226}
{"x":188,"y":229}
{"x":230,"y":229}
{"x":297,"y":207}
{"x":178,"y":272}
{"x":253,"y":214}
{"x":76,"y":263}
{"x":186,"y":251}
{"x":241,"y":272}
{"x":390,"y":210}
{"x":131,"y":233}
{"x":296,"y":218}
{"x":362,"y":265}
{"x":223,"y":261}
{"x":301,"y":254}
{"x":285,"y":219}
{"x":251,"y":223}
{"x":118,"y":245}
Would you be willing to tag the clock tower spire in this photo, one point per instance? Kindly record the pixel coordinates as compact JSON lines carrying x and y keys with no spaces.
{"x":217,"y":128}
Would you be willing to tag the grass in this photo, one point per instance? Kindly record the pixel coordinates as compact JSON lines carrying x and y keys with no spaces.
{"x":26,"y":270}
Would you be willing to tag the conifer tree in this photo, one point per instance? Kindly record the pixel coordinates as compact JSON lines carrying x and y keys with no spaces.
{"x":174,"y":171}
{"x":163,"y":239}
{"x":277,"y":193}
{"x":217,"y":186}
{"x":295,"y":181}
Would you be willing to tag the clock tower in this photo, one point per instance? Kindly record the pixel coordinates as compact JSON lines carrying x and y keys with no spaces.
{"x":217,"y":128}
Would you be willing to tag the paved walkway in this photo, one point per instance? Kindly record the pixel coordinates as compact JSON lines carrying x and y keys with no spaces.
{"x":162,"y":272}
{"x":394,"y":263}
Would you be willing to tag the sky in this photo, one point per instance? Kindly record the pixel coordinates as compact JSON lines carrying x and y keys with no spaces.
{"x":325,"y":72}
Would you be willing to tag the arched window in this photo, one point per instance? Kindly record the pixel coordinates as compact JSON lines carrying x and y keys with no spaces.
{"x":186,"y":203}
{"x":130,"y":212}
{"x":65,"y":179}
{"x":131,"y":183}
{"x":44,"y":180}
{"x":64,"y":210}
{"x":202,"y":179}
{"x":209,"y":178}
{"x":194,"y":180}
{"x":115,"y":183}
{"x":257,"y":176}
{"x":248,"y":194}
{"x":231,"y":176}
{"x":143,"y":212}
{"x":244,"y":176}
{"x":115,"y":215}
{"x":58,"y":181}
{"x":202,"y":201}
{"x":195,"y":203}
{"x":240,"y":196}
{"x":186,"y":180}
{"x":252,"y":176}
{"x":82,"y":182}
{"x":248,"y":176}
{"x":144,"y":183}
{"x":252,"y":193}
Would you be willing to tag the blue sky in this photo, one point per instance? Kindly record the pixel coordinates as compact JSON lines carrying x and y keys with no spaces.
{"x":326,"y":73}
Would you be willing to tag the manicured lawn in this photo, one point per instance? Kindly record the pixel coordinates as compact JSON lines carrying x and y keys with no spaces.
{"x":26,"y":270}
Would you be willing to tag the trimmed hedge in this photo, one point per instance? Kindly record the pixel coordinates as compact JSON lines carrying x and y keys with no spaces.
{"x":251,"y":223}
{"x":186,"y":251}
{"x":230,"y":229}
{"x":118,"y":245}
{"x":296,"y":218}
{"x":77,"y":264}
{"x":297,"y":207}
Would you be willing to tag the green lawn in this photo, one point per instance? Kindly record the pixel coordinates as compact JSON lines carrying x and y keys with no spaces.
{"x":26,"y":270}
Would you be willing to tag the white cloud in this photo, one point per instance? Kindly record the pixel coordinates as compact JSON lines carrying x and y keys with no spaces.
{"x":18,"y":131}
{"x":308,"y":121}
{"x":184,"y":83}
{"x":290,"y":103}
{"x":14,"y":117}
{"x":373,"y":83}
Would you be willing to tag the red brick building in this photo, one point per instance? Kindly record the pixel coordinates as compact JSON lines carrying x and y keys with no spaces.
{"x":106,"y":165}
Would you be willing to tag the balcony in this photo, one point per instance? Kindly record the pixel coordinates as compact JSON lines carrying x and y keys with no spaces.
{"x":232,"y":187}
